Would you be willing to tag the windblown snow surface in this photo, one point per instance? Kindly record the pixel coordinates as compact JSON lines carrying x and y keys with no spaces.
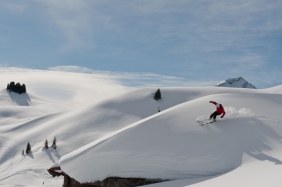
{"x":123,"y":134}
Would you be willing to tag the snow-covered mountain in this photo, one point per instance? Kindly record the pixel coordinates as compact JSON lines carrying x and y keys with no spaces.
{"x":126,"y":136}
{"x":238,"y":82}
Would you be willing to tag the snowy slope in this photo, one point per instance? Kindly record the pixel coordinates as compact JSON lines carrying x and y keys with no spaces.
{"x":275,"y":90}
{"x":172,"y":145}
{"x":30,"y":118}
{"x":238,"y":82}
{"x":70,"y":88}
{"x":104,"y":111}
{"x":79,"y":126}
{"x":17,"y":111}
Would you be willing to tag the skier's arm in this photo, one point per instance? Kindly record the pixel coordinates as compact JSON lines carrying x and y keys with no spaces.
{"x":223,"y":114}
{"x":213,"y":102}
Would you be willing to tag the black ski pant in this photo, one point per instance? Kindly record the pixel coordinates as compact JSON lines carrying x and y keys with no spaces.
{"x":213,"y":115}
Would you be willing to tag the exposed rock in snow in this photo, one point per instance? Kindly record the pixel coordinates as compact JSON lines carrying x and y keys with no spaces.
{"x":238,"y":82}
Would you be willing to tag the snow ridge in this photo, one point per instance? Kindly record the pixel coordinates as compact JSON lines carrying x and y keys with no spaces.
{"x":238,"y":82}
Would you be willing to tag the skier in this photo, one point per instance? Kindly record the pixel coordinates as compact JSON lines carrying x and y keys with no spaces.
{"x":219,"y":111}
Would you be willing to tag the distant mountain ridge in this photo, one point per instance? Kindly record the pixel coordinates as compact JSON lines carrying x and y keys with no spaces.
{"x":238,"y":82}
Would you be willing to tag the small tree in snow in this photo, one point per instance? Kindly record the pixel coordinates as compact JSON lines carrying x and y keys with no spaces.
{"x":28,"y":148}
{"x":158,"y":95}
{"x":23,"y":152}
{"x":54,"y":144}
{"x":46,"y":144}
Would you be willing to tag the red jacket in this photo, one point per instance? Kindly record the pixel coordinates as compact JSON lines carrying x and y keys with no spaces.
{"x":219,"y":108}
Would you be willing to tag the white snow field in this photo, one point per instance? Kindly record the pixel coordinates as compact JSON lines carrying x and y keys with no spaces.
{"x":104,"y":129}
{"x":172,"y":145}
{"x":65,"y":87}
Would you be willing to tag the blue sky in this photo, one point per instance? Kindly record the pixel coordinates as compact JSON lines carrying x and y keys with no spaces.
{"x":200,"y":42}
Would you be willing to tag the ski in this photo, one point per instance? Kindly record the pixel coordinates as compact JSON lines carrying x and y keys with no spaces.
{"x":207,"y":123}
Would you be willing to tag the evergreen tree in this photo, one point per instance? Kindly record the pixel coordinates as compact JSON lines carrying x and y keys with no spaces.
{"x":24,"y":88}
{"x":158,"y":95}
{"x":21,"y":90}
{"x":46,"y":144}
{"x":54,"y":145}
{"x":18,"y":88}
{"x":28,"y":148}
{"x":12,"y":85}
